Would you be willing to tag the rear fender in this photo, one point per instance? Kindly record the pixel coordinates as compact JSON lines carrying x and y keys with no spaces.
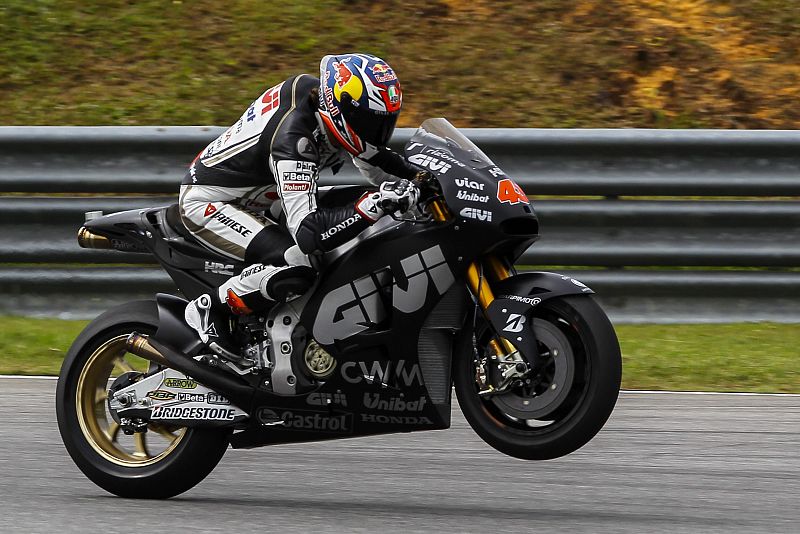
{"x":516,"y":300}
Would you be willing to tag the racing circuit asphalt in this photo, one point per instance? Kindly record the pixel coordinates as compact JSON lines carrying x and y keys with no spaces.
{"x":663,"y":463}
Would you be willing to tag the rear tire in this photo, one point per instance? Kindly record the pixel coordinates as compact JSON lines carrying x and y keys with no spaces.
{"x":93,"y":439}
{"x":575,"y":394}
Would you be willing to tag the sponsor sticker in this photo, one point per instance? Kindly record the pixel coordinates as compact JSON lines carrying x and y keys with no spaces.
{"x":303,"y":420}
{"x":219,"y":268}
{"x":383,"y":73}
{"x":341,"y":226}
{"x":192,"y":397}
{"x":469,"y":184}
{"x":255,"y":269}
{"x":478,"y":214}
{"x":380,"y":372}
{"x":306,"y":148}
{"x":395,"y":419}
{"x":376,"y":401}
{"x":193,"y":413}
{"x":430,"y":162}
{"x":472,"y":197}
{"x":356,"y":306}
{"x":514,"y":323}
{"x":160,"y":394}
{"x":232,"y":224}
{"x":441,"y":154}
{"x":324,"y":399}
{"x":291,"y":187}
{"x":180,"y":383}
{"x":271,"y":99}
{"x":216,"y":398}
{"x":533,"y":301}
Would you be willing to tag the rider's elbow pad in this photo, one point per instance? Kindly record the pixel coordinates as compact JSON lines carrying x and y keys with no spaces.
{"x":325,"y":230}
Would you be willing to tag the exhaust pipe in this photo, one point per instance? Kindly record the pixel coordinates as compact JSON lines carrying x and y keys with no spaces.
{"x":237,"y":391}
{"x":88,"y":239}
{"x":139,"y":345}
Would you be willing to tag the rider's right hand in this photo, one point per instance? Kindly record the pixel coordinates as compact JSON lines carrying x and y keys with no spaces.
{"x":392,"y":197}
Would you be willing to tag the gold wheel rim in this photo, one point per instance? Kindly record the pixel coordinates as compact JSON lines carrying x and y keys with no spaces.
{"x":96,"y":423}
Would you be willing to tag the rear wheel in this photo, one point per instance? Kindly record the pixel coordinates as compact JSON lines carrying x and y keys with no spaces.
{"x":160,"y":463}
{"x":561,"y":408}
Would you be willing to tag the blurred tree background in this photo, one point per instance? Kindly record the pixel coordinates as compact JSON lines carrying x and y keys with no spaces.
{"x":543,"y":63}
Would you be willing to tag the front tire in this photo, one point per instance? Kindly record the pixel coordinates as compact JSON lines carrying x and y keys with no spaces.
{"x":161,"y":463}
{"x":567,"y":403}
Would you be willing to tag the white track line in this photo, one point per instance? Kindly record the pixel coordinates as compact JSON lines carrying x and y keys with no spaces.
{"x":626,"y":391}
{"x":29,"y":376}
{"x":742,"y":394}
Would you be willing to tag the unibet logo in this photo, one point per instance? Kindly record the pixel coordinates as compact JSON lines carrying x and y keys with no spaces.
{"x":472,"y":197}
{"x":374,"y":401}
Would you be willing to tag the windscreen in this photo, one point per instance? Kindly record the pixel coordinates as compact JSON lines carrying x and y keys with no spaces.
{"x":443,"y":129}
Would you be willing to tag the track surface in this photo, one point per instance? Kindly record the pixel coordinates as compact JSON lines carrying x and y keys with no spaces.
{"x":663,"y":463}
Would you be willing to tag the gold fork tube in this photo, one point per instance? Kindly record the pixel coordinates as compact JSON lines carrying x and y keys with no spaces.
{"x":439,"y":211}
{"x":497,"y":267}
{"x":483,"y":292}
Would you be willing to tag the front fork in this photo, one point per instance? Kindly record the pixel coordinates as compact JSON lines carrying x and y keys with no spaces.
{"x":511,"y":363}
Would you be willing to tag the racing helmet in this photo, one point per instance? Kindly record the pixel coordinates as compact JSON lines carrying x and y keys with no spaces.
{"x":359,"y":100}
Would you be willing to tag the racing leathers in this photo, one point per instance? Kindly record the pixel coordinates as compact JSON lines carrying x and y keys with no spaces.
{"x":251,"y":195}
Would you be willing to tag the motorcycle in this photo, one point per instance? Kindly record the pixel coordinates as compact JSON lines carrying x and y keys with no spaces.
{"x":415,"y":307}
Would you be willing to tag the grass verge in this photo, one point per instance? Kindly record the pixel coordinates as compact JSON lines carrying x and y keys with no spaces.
{"x":549,"y":63}
{"x":753,"y":357}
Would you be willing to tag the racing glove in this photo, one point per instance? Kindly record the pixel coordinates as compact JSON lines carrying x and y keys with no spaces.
{"x":392,"y":197}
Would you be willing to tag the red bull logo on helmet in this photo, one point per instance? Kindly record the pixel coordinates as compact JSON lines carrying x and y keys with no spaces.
{"x":383,"y":73}
{"x":343,"y":74}
{"x":346,"y":82}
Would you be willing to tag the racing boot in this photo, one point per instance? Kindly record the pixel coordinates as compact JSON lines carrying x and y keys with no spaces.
{"x":209,"y":318}
{"x":260,"y":286}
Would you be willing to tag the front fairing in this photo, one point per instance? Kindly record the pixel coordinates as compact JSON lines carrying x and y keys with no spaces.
{"x":485,"y":202}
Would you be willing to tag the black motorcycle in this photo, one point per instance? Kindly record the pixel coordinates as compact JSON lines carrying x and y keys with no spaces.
{"x":397,"y":317}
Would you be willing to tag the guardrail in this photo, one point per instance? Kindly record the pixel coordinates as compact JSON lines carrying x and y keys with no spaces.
{"x":648,"y":199}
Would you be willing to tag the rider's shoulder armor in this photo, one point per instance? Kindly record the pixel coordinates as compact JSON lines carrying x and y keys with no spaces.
{"x":274,"y":121}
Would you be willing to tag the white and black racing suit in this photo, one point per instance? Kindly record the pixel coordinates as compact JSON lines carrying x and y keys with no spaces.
{"x":251,"y":193}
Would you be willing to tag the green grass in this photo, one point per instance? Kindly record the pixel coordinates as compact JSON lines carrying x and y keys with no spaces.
{"x":498,"y":63}
{"x":35,"y":346}
{"x":756,"y":357}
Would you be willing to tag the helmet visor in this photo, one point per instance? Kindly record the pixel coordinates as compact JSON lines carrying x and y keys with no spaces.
{"x":372,"y":127}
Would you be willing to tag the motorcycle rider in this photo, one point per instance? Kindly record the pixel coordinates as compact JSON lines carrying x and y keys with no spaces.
{"x":251,"y":193}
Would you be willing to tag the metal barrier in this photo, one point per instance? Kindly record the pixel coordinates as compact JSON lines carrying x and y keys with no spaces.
{"x":653,"y":231}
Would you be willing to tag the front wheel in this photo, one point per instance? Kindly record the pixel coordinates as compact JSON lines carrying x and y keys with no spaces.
{"x":160,"y":463}
{"x":561,"y":408}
